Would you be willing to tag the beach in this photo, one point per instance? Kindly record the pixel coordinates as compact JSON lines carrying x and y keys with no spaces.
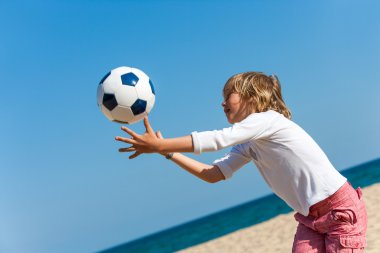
{"x":276,"y":234}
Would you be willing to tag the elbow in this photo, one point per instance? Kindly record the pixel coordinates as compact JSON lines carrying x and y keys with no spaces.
{"x":216,"y":181}
{"x":213,"y":176}
{"x":212,"y":180}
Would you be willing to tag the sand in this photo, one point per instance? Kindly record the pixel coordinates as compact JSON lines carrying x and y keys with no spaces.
{"x":276,"y":235}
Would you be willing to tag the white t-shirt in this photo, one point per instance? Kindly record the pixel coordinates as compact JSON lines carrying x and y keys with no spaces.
{"x":291,"y":162}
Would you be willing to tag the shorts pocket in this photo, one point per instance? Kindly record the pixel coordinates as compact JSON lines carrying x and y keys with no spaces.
{"x":344,"y":215}
{"x":353,"y":242}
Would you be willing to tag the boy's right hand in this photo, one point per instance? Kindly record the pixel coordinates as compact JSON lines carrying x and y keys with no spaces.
{"x":149,"y":142}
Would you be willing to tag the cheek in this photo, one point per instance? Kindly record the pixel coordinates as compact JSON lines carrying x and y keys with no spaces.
{"x":235,"y":103}
{"x":243,"y":110}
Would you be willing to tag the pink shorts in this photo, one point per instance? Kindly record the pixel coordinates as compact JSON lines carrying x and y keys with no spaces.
{"x":336,"y":224}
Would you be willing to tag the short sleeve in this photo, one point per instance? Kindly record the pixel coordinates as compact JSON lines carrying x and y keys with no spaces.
{"x":231,"y":162}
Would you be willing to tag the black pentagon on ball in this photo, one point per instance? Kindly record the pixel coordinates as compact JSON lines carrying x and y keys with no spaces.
{"x":151,"y":86}
{"x":138,"y":107}
{"x":129,"y":79}
{"x":105,"y":77}
{"x":109,"y":101}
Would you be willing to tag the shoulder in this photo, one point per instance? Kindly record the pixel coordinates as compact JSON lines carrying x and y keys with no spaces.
{"x":263,"y":120}
{"x":267,"y":115}
{"x":265,"y":124}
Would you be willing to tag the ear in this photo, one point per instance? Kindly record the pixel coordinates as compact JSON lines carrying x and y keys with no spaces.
{"x":250,"y":105}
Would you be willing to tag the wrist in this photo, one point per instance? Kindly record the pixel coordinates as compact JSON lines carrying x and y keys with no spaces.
{"x":160,"y":146}
{"x":169,"y":156}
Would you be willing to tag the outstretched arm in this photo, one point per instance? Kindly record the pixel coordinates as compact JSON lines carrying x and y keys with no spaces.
{"x":208,"y":173}
{"x":152,"y":142}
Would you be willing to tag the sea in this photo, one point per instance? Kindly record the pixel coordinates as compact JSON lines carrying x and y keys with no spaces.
{"x":232,"y":219}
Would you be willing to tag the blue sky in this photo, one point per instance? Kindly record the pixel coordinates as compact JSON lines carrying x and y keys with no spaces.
{"x":63,"y":185}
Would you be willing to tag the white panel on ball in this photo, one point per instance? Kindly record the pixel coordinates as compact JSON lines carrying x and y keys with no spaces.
{"x":126,"y":95}
{"x":150,"y":104}
{"x":111,"y":83}
{"x":144,"y":91}
{"x":122,"y":114}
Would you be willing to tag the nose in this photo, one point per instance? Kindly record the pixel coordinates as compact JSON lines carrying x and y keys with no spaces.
{"x":224,"y":103}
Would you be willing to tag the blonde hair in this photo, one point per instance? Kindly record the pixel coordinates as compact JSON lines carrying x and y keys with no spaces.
{"x":259,"y":91}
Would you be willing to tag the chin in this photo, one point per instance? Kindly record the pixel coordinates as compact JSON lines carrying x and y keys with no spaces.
{"x":230,"y":120}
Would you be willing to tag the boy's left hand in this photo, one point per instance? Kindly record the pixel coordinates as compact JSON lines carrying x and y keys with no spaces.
{"x":148,"y":142}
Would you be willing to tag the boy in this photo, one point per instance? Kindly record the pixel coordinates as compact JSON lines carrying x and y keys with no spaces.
{"x":331,"y":214}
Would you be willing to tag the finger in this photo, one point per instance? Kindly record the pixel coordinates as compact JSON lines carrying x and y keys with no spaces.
{"x":148,"y":128}
{"x":159,"y":135}
{"x":126,"y":140}
{"x":130,"y":149}
{"x":135,"y":155}
{"x":130,"y":132}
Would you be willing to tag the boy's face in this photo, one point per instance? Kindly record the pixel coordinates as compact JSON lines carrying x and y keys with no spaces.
{"x":234,"y":108}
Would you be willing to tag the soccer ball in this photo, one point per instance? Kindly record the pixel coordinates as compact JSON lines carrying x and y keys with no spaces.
{"x":125,"y":95}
